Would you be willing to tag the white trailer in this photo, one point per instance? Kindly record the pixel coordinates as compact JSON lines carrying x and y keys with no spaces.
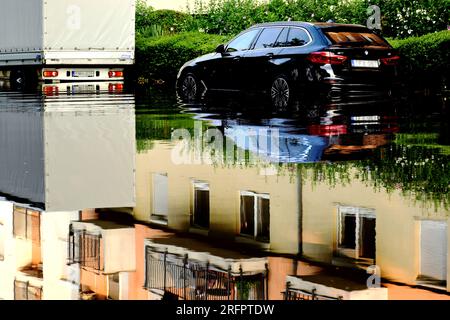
{"x":66,"y":40}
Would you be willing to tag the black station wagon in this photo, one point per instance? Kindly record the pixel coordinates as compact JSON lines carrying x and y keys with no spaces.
{"x":283,"y":59}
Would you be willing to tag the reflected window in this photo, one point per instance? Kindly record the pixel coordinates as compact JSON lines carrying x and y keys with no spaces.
{"x":357,"y":233}
{"x":27,"y":224}
{"x":255,"y":216}
{"x":243,"y":42}
{"x":26,"y":291}
{"x":433,"y":252}
{"x":160,"y":205}
{"x":200,"y":215}
{"x":268,"y":38}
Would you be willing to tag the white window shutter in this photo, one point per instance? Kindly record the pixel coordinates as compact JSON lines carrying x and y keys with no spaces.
{"x":433,"y":249}
{"x":160,"y":195}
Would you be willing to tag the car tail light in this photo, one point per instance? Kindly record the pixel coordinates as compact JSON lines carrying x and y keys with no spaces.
{"x":327,"y":130}
{"x":50,"y":73}
{"x":390,"y":61}
{"x":115,"y":74}
{"x":115,"y":87}
{"x":326,"y":57}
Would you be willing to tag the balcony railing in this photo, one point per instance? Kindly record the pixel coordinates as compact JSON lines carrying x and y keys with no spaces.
{"x":85,"y":249}
{"x":292,"y":294}
{"x":24,"y":291}
{"x":181,"y":278}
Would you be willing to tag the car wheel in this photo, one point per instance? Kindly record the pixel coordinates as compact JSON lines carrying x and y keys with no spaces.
{"x":280,"y":92}
{"x":189,"y":88}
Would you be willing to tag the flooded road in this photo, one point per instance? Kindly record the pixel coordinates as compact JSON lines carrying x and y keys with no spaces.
{"x":108,"y":195}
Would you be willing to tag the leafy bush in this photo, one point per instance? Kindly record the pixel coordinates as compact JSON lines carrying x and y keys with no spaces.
{"x":143,"y":14}
{"x":428,"y":54}
{"x":151,"y":31}
{"x":169,"y":20}
{"x":406,"y":18}
{"x":162,"y":57}
{"x":400,"y":18}
{"x":233,"y":16}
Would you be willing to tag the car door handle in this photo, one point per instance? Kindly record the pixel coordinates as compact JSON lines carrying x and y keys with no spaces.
{"x":270,"y":55}
{"x":237,"y":58}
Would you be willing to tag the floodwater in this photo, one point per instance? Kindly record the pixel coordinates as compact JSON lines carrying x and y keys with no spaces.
{"x":113,"y":195}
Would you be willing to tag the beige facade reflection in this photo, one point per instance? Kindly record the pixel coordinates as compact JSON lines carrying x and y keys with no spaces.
{"x":351,"y":226}
{"x":407,"y":248}
{"x":227,"y":186}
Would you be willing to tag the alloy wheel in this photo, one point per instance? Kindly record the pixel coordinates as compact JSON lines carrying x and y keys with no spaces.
{"x":280,"y":93}
{"x":189,"y":88}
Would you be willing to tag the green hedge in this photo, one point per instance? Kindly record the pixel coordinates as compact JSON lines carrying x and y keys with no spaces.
{"x":162,"y":57}
{"x":425,"y":56}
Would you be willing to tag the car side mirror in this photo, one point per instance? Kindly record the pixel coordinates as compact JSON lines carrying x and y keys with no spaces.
{"x":220,"y":49}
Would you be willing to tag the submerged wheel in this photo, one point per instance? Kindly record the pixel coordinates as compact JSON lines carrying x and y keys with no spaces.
{"x":280,"y":92}
{"x":188,"y":88}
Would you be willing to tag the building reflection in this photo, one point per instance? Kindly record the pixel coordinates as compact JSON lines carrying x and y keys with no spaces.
{"x":290,"y":211}
{"x":58,"y":157}
{"x":161,"y":218}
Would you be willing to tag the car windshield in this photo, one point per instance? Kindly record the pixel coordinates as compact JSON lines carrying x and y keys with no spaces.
{"x":355,"y":38}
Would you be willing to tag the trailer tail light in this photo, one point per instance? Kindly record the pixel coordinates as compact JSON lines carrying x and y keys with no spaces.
{"x":390,"y":61}
{"x":51,"y":91}
{"x":326,"y":57}
{"x":115,"y":74}
{"x":115,"y":87}
{"x":50,"y":73}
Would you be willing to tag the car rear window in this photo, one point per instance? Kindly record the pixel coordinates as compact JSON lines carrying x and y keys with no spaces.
{"x":355,"y":38}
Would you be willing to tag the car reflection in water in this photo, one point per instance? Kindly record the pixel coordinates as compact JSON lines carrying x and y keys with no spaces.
{"x":326,"y":192}
{"x":318,"y":132}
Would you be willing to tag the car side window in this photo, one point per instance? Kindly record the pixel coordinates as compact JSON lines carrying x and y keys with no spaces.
{"x":281,"y":41}
{"x":243,"y":42}
{"x":297,"y":37}
{"x":268,"y":38}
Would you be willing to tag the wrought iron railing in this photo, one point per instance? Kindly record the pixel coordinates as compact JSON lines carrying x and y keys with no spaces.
{"x":85,"y":249}
{"x":24,"y":291}
{"x":181,"y":278}
{"x":292,"y":294}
